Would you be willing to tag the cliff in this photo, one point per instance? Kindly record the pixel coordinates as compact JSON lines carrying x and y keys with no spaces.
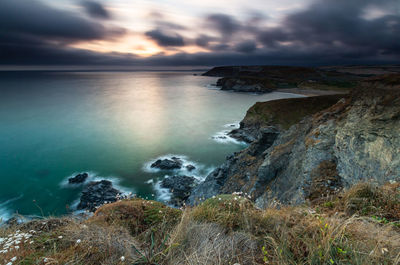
{"x":280,"y":114}
{"x":263,"y":79}
{"x":319,"y":184}
{"x":354,"y":140}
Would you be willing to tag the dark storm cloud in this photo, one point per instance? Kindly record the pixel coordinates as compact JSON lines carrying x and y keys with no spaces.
{"x":44,"y":54}
{"x":165,"y":39}
{"x":34,"y":33}
{"x":96,"y":9}
{"x":246,"y":46}
{"x":338,"y":25}
{"x":225,"y":24}
{"x":326,"y":32}
{"x":36,"y":19}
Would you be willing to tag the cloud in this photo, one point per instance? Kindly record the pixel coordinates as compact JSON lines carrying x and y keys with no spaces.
{"x":33,"y":33}
{"x":246,"y":46}
{"x":326,"y":32}
{"x":337,"y":25}
{"x":36,"y":19}
{"x":165,"y":39}
{"x":96,"y":10}
{"x":225,"y":24}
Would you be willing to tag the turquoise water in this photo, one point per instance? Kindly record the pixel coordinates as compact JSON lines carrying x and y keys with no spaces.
{"x":55,"y":124}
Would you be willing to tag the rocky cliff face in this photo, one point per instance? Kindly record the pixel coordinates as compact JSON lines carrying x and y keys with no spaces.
{"x":354,"y":140}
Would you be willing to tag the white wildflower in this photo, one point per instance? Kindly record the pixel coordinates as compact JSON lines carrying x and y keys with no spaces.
{"x":78,"y":241}
{"x":60,"y":237}
{"x":14,"y":259}
{"x":219,"y":199}
{"x":122,"y":258}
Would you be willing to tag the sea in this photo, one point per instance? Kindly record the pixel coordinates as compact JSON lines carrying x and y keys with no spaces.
{"x":112,"y":125}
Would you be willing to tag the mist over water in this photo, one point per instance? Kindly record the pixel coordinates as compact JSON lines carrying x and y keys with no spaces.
{"x":111,"y":124}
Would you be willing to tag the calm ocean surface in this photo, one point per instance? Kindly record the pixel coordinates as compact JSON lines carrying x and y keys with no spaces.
{"x":111,"y":124}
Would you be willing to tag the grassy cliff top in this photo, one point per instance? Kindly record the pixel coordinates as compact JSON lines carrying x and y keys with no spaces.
{"x":360,"y":226}
{"x":287,"y":112}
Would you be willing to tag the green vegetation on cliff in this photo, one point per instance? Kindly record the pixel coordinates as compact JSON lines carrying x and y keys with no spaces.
{"x":360,"y":226}
{"x":287,"y":112}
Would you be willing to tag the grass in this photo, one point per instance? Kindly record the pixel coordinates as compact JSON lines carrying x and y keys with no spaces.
{"x":358,"y":226}
{"x":287,"y":112}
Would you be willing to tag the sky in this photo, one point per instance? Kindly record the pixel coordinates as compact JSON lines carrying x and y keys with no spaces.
{"x":184,"y":33}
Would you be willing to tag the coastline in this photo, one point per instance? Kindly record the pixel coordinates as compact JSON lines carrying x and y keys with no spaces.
{"x":310,"y":92}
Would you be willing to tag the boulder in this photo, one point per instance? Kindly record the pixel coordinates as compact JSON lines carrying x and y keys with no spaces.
{"x":180,"y":186}
{"x":80,"y":178}
{"x":168,"y":164}
{"x":97,"y":193}
{"x":190,"y":168}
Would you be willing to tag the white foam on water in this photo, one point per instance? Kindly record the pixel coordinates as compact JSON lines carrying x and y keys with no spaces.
{"x":162,"y":194}
{"x":5,"y":212}
{"x":213,"y":87}
{"x":223,"y":137}
{"x":150,"y":181}
{"x":233,"y":125}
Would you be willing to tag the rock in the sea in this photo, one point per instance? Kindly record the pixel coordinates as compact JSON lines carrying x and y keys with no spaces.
{"x":180,"y":186}
{"x":80,"y":178}
{"x":167,"y":164}
{"x":190,"y":168}
{"x":96,"y":194}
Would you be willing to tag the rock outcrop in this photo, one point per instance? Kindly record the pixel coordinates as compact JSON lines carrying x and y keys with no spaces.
{"x":96,"y":194}
{"x":168,"y":164}
{"x":356,"y":139}
{"x":78,"y":179}
{"x":245,"y":84}
{"x":180,"y":187}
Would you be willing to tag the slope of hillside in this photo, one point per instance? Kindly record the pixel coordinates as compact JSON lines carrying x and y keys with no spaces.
{"x":358,"y":227}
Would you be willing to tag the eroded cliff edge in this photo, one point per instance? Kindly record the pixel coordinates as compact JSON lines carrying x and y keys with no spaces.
{"x":354,"y":139}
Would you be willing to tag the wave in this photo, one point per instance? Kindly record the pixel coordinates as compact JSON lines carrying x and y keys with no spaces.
{"x":233,"y":125}
{"x":164,"y":194}
{"x":213,"y":87}
{"x":5,"y":212}
{"x":223,"y":136}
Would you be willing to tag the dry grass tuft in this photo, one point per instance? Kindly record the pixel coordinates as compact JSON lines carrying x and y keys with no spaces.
{"x":360,"y":226}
